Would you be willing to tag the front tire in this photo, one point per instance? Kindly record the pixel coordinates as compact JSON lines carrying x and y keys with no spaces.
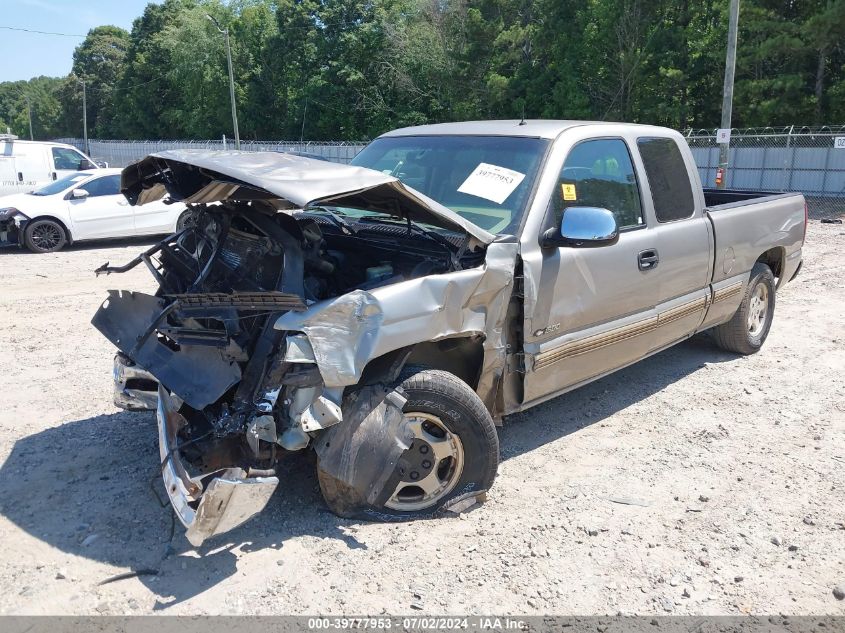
{"x":454,"y":454}
{"x":746,"y":332}
{"x":44,"y":236}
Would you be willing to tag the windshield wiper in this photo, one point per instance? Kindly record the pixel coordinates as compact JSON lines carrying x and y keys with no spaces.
{"x":432,"y":235}
{"x":334,"y":217}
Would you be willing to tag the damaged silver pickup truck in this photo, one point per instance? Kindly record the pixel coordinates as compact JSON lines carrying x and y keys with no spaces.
{"x":387,"y":314}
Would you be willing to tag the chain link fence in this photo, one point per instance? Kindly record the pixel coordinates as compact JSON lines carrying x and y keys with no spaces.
{"x":807,"y":160}
{"x":121,"y":153}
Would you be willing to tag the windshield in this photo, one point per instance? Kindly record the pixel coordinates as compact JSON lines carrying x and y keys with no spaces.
{"x":60,"y":185}
{"x":484,"y":179}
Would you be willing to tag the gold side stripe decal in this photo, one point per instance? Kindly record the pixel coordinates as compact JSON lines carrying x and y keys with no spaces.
{"x":722,"y":294}
{"x":617,"y":335}
{"x":681,"y":311}
{"x":592,"y":343}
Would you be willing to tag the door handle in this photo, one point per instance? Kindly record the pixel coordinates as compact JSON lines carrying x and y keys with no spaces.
{"x":648,"y":259}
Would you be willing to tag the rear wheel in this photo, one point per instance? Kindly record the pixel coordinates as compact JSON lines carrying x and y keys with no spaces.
{"x":746,"y":332}
{"x":44,"y":236}
{"x":453,"y":456}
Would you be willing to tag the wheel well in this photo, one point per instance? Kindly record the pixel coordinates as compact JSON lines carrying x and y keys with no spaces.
{"x":774,"y":259}
{"x":68,"y":236}
{"x":461,"y":356}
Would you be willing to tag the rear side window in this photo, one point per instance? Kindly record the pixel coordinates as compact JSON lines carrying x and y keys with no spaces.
{"x":668,"y":178}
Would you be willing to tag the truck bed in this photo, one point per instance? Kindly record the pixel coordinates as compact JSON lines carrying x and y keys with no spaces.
{"x":714,"y":198}
{"x":745,"y":221}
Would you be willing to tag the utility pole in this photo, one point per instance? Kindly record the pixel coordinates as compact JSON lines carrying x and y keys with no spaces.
{"x":728,"y":92}
{"x":29,"y":112}
{"x":84,"y":115}
{"x":85,"y":120}
{"x":225,"y":33}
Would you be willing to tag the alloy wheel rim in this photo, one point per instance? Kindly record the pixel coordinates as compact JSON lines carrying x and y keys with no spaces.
{"x":46,"y":236}
{"x":758,"y":310}
{"x":430,"y":468}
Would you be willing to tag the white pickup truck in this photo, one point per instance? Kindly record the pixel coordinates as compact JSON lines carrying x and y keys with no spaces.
{"x":388,"y":314}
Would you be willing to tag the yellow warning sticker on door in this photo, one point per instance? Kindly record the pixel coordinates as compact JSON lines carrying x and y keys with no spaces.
{"x":569,"y":192}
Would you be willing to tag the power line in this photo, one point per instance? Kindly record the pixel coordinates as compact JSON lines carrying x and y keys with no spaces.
{"x":14,"y":28}
{"x":316,"y":26}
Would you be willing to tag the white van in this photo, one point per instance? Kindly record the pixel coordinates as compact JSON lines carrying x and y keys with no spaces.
{"x":25,"y":165}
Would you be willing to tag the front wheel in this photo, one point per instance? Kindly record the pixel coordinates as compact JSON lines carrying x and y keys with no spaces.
{"x":453,"y":456}
{"x":44,"y":236}
{"x":746,"y":332}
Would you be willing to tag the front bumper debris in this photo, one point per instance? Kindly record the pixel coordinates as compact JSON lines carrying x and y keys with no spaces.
{"x":10,"y":233}
{"x":230,"y":498}
{"x":135,"y":389}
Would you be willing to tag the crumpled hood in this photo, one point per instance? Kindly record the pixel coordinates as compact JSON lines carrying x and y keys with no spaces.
{"x":205,"y":176}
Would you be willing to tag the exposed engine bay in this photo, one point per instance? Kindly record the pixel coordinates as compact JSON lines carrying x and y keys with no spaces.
{"x":287,"y":305}
{"x":236,"y":393}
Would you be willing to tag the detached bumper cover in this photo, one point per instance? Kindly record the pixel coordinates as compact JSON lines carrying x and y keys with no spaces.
{"x":230,"y":499}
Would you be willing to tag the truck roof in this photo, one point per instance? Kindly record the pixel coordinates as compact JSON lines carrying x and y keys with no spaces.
{"x":535,"y":128}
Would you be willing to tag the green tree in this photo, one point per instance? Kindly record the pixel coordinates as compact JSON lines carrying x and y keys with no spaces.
{"x":42,"y":95}
{"x":144,"y":95}
{"x":99,"y":62}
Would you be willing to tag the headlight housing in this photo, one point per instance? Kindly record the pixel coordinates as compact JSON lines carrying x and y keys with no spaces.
{"x":7,"y":213}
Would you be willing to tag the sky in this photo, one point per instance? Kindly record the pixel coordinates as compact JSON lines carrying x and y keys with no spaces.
{"x":28,"y":55}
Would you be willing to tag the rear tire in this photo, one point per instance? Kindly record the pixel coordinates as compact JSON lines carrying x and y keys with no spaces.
{"x":746,"y":332}
{"x":44,"y":236}
{"x":454,"y":456}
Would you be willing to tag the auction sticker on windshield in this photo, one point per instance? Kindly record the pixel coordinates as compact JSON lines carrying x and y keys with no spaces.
{"x":491,"y":182}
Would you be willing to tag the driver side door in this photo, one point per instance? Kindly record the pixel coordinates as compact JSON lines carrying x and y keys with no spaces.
{"x":593,"y":305}
{"x":104,"y":213}
{"x":66,"y":161}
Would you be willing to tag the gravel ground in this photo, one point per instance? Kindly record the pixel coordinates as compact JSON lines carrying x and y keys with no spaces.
{"x":695,"y":482}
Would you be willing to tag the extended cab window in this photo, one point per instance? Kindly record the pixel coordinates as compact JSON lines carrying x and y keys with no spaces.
{"x":64,"y":158}
{"x":105,"y":186}
{"x":667,"y":176}
{"x":600,"y":174}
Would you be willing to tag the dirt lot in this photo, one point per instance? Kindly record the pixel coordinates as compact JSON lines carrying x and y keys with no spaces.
{"x":732,"y":471}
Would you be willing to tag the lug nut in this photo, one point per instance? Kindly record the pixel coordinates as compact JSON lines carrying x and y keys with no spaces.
{"x":424,"y":448}
{"x":426,"y":464}
{"x":415,"y":475}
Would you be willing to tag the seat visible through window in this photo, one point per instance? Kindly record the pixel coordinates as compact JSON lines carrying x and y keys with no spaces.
{"x":600,"y":173}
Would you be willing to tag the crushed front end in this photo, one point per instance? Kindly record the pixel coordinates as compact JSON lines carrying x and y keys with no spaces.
{"x":234,"y":392}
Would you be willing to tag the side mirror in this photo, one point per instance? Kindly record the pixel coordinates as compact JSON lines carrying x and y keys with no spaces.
{"x":583,"y":227}
{"x":85,"y":164}
{"x":78,"y":194}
